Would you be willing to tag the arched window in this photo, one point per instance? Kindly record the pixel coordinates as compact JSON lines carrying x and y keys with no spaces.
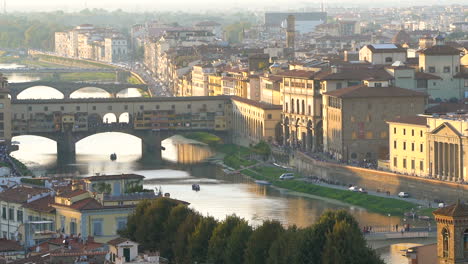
{"x":292,"y":106}
{"x":445,"y":243}
{"x":303,"y":107}
{"x":298,"y":107}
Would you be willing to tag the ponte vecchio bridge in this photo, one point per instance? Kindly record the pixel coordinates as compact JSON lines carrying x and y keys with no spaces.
{"x":67,"y":88}
{"x":67,"y":121}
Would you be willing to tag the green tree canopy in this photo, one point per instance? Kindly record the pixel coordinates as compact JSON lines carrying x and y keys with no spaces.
{"x":261,"y":240}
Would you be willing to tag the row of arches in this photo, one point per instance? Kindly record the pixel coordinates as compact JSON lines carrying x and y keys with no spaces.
{"x":307,"y":138}
{"x":248,"y":127}
{"x":46,"y":92}
{"x":298,"y":107}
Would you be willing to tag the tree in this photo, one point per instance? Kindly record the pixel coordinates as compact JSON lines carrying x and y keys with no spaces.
{"x":237,"y":243}
{"x":176,"y":217}
{"x":218,"y":241}
{"x":261,"y":240}
{"x":285,"y":249}
{"x":346,"y":245}
{"x":199,"y":239}
{"x":180,"y":247}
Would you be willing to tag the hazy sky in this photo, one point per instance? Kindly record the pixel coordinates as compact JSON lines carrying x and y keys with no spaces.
{"x":197,"y":5}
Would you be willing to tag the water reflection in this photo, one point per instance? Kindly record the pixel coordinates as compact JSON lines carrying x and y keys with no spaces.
{"x":21,"y":78}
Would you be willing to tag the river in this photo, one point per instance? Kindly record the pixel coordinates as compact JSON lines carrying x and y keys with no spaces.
{"x":182,"y":165}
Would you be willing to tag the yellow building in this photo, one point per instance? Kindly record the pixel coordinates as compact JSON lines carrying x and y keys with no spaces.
{"x":407,"y":145}
{"x":78,"y":213}
{"x":214,"y":85}
{"x":270,"y":86}
{"x":255,"y":121}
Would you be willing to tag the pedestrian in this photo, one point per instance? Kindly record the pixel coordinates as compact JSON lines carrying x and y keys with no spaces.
{"x":396,"y":227}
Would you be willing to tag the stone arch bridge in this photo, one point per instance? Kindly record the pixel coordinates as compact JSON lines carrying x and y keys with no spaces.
{"x":67,"y":88}
{"x":67,"y":121}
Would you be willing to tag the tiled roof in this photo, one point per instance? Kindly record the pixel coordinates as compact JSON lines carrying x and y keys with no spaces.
{"x":415,"y":120}
{"x":115,"y":177}
{"x":426,"y":76}
{"x":91,"y":204}
{"x":355,"y":74}
{"x":362,"y":91}
{"x":117,"y":241}
{"x":444,"y":108}
{"x":9,"y":245}
{"x":20,"y":194}
{"x":455,"y":210}
{"x":264,"y":106}
{"x":461,"y":75}
{"x":440,"y":50}
{"x":41,"y":205}
{"x":375,"y":48}
{"x":71,"y":194}
{"x":298,"y":74}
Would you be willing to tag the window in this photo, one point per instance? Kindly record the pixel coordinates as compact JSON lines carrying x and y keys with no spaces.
{"x":19,"y":216}
{"x":432,"y":69}
{"x":378,"y":85}
{"x":446,"y":69}
{"x":388,"y":59}
{"x":354,"y":135}
{"x":421,"y":133}
{"x":4,"y":212}
{"x":353,"y":155}
{"x":465,"y":242}
{"x":383,"y":134}
{"x":62,"y":108}
{"x":109,"y":107}
{"x":421,"y":83}
{"x":157,"y":106}
{"x":412,"y":164}
{"x":369,"y":135}
{"x":404,"y":145}
{"x":11,"y":213}
{"x":46,"y":108}
{"x":395,"y":162}
{"x":121,"y":223}
{"x":338,"y":86}
{"x":73,"y":226}
{"x":394,"y":144}
{"x":269,"y":116}
{"x":29,"y":108}
{"x":97,"y":227}
{"x":412,"y":132}
{"x":78,"y":108}
{"x":404,"y":131}
{"x":404,"y":163}
{"x":412,"y":146}
{"x":394,"y":130}
{"x":421,"y":148}
{"x":173,"y":106}
{"x":142,"y":107}
{"x":421,"y":165}
{"x":189,"y":106}
{"x":466,"y":82}
{"x":286,"y":107}
{"x":445,"y":242}
{"x":310,"y":110}
{"x":220,"y":106}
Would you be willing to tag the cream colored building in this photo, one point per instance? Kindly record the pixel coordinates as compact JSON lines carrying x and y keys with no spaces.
{"x":407,"y":145}
{"x":302,"y":108}
{"x":254,"y":121}
{"x":5,"y":111}
{"x":382,"y":53}
{"x":354,"y":127}
{"x":270,"y":89}
{"x":200,"y":81}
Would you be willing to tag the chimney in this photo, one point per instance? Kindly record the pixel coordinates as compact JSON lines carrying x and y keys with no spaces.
{"x":439,"y":40}
{"x":334,"y":69}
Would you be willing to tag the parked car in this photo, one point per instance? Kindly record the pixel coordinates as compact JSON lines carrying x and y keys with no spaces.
{"x":362,"y":190}
{"x":354,"y":188}
{"x":286,"y":176}
{"x":403,"y":194}
{"x":441,"y":205}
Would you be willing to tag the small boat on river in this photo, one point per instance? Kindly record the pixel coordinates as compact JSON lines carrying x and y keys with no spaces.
{"x":113,"y":156}
{"x":196,"y":187}
{"x":259,"y":182}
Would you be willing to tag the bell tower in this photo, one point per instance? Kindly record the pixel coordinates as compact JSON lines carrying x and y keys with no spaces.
{"x":452,"y":234}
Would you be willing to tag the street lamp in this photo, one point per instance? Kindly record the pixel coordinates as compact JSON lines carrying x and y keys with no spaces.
{"x":390,"y":222}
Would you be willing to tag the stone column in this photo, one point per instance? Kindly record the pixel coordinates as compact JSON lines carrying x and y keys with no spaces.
{"x":435,"y":159}
{"x":151,"y":144}
{"x":66,"y":149}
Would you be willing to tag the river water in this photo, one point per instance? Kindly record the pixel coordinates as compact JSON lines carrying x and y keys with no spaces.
{"x":183,"y":164}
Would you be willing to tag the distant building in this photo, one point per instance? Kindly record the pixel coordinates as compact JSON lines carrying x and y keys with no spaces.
{"x":5,"y":112}
{"x":305,"y":22}
{"x":382,"y":53}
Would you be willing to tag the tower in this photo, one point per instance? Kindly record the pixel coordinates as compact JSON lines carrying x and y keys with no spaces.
{"x":452,"y":234}
{"x":290,"y":31}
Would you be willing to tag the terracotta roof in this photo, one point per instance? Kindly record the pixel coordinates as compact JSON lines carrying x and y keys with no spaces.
{"x":461,"y":75}
{"x":375,"y":48}
{"x":117,"y":241}
{"x":455,"y":210}
{"x":440,"y":50}
{"x":426,"y":76}
{"x":20,"y":194}
{"x":9,"y":245}
{"x":207,"y":24}
{"x":401,"y":37}
{"x":115,"y":177}
{"x":363,"y":91}
{"x":41,"y":205}
{"x":71,"y":194}
{"x":91,"y":204}
{"x":264,"y":106}
{"x":298,"y":74}
{"x":415,"y":120}
{"x":355,"y":74}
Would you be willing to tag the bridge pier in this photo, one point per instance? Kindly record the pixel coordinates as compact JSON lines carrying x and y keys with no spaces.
{"x":151,"y":145}
{"x":66,"y":149}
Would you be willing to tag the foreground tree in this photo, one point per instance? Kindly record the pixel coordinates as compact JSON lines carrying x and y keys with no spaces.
{"x":237,"y":242}
{"x":261,"y":240}
{"x":198,"y":240}
{"x":218,"y":241}
{"x":285,"y":249}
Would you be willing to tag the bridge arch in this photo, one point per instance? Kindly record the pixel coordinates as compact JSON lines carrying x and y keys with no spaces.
{"x":109,"y":118}
{"x":124,"y":118}
{"x":107,"y":143}
{"x":40,"y":92}
{"x":90,"y":92}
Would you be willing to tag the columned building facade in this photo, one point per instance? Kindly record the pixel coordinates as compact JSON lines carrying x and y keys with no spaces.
{"x":447,"y":143}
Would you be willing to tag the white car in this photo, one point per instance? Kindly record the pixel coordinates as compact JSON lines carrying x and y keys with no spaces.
{"x":354,"y":188}
{"x":286,"y":176}
{"x":403,"y":194}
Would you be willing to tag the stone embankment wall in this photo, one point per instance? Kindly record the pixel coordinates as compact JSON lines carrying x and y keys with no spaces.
{"x":420,"y":188}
